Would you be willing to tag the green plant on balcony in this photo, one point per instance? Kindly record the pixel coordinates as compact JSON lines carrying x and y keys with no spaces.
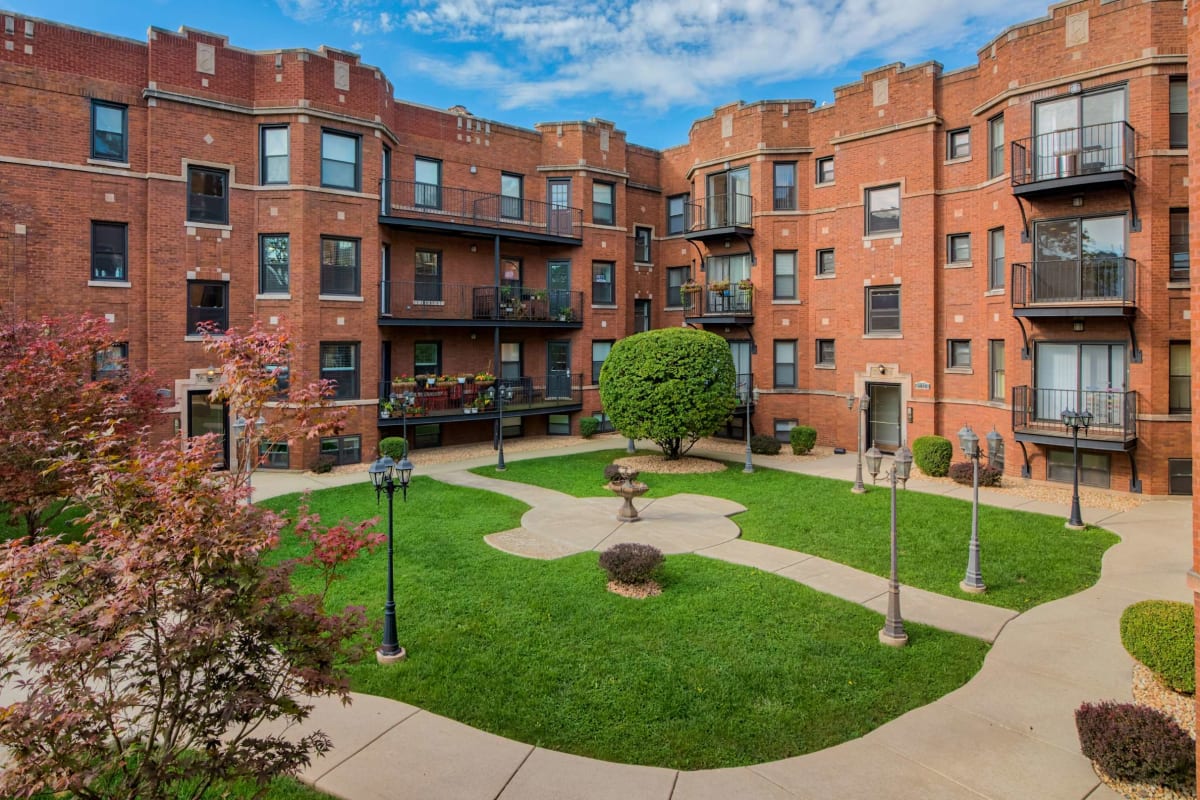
{"x":719,"y":286}
{"x":745,"y":284}
{"x":566,"y":315}
{"x":691,"y":287}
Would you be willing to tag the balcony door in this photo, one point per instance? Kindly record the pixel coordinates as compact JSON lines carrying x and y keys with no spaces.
{"x":558,"y":283}
{"x":741,"y":369}
{"x":558,"y":369}
{"x":560,"y":221}
{"x":1079,"y":259}
{"x":1079,"y":133}
{"x":883,"y":427}
{"x":1081,"y":377}
{"x":729,"y":198}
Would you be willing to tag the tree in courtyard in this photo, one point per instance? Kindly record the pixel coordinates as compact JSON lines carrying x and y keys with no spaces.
{"x":53,"y":399}
{"x":165,"y":650}
{"x":673,"y":386}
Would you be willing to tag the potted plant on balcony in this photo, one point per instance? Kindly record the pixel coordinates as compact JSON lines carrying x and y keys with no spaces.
{"x":402,"y":384}
{"x":483,"y":380}
{"x":719,"y":286}
{"x":745,"y":284}
{"x":691,"y":287}
{"x":386,"y":408}
{"x":566,"y":315}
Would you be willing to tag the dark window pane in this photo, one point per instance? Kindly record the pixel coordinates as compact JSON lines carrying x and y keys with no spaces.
{"x":207,"y":198}
{"x":108,"y":251}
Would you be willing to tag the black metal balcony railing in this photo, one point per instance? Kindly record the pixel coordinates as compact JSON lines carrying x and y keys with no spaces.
{"x":449,"y":204}
{"x":744,"y":388}
{"x":459,"y":301}
{"x":707,"y":301}
{"x":1074,"y":152}
{"x":473,"y":397}
{"x":721,"y":211}
{"x":1095,"y":280}
{"x":1180,"y":257}
{"x":1037,"y":410}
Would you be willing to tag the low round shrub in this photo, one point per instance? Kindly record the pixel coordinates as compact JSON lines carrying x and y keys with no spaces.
{"x":631,"y":562}
{"x":1137,"y":743}
{"x":764,"y":445}
{"x":932,"y":455}
{"x":324,"y":464}
{"x":588,"y":427}
{"x":962,"y":472}
{"x":802,"y":439}
{"x":394,"y":447}
{"x":1161,"y":634}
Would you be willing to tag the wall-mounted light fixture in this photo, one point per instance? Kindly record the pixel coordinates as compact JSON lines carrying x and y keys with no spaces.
{"x":1077,"y":325}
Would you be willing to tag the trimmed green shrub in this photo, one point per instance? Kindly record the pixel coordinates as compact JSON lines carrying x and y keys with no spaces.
{"x":962,"y":472}
{"x":803,"y":438}
{"x":933,"y":454}
{"x":394,"y":447}
{"x":588,"y":427}
{"x":631,"y":562}
{"x":764,"y":445}
{"x":324,"y":464}
{"x":1137,"y":743}
{"x":1161,"y":634}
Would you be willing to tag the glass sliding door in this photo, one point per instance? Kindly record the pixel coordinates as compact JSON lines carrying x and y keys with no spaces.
{"x":1081,"y":377}
{"x":729,"y":198}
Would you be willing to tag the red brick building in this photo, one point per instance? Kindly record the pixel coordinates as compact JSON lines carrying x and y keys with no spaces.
{"x":988,"y":246}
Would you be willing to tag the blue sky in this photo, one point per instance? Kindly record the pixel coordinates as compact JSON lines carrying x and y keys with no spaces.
{"x":651,"y":66}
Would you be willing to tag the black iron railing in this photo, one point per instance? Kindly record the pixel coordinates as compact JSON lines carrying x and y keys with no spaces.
{"x":721,"y":211}
{"x":1097,"y":279}
{"x":410,"y":199}
{"x":744,"y":388}
{"x":1038,"y":410}
{"x":717,"y":300}
{"x":422,"y":399}
{"x":459,"y":301}
{"x":1072,"y":152}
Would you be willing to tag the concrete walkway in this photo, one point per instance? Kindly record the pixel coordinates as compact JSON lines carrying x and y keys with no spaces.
{"x":1008,"y":733}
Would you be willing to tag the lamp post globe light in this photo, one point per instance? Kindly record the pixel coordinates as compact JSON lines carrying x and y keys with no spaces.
{"x":864,"y":403}
{"x":892,"y":633}
{"x":387,"y":476}
{"x":1076,"y":420}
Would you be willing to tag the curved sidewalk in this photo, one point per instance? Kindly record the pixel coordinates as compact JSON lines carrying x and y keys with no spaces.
{"x":1008,"y":733}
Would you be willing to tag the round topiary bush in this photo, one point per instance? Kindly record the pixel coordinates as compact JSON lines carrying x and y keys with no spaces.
{"x":394,"y":447}
{"x":1138,"y":744}
{"x":932,"y":455}
{"x":764,"y":445}
{"x":588,"y":427}
{"x":1161,"y":634}
{"x":631,"y":562}
{"x":802,"y":439}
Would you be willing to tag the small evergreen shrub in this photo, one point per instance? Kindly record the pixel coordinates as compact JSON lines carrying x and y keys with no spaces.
{"x":588,"y":427}
{"x":324,"y":464}
{"x":1161,"y":634}
{"x":963,"y":471}
{"x":394,"y":447}
{"x":803,"y":438}
{"x":631,"y":562}
{"x":764,"y":445}
{"x":932,"y":455}
{"x":1137,"y":743}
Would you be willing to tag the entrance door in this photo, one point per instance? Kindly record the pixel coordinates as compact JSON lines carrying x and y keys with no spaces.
{"x":884,"y":428}
{"x":558,"y":282}
{"x":205,"y":417}
{"x":558,"y":369}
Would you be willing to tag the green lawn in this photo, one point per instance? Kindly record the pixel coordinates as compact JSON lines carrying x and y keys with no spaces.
{"x":1026,"y":559}
{"x":729,"y":666}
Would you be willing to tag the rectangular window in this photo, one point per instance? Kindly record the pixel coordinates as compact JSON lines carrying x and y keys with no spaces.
{"x":785,"y":186}
{"x":558,"y":425}
{"x":1179,"y":476}
{"x":1181,"y":378}
{"x":339,"y":363}
{"x":208,"y":195}
{"x":340,"y":154}
{"x":958,"y":143}
{"x":676,"y":214}
{"x":427,"y":436}
{"x":642,"y":238}
{"x":783,"y":429}
{"x":427,"y":358}
{"x":641,"y":316}
{"x":958,"y":248}
{"x":883,"y":309}
{"x":996,"y":146}
{"x":273,"y":164}
{"x":111,"y":362}
{"x":512,"y":196}
{"x":109,"y":251}
{"x":883,"y":209}
{"x":602,"y":203}
{"x":826,"y":353}
{"x":600,"y":351}
{"x":1093,"y":468}
{"x":274,"y":263}
{"x":282,"y":375}
{"x":342,"y":449}
{"x":427,"y":188}
{"x":603,"y":290}
{"x":958,"y":353}
{"x":996,"y":263}
{"x":825,"y":169}
{"x":1180,"y":257}
{"x":340,"y":272}
{"x":785,"y":363}
{"x":274,"y":455}
{"x":825,"y":262}
{"x":510,"y":361}
{"x":1179,"y":113}
{"x":110,"y":131}
{"x":207,"y":301}
{"x":676,"y":278}
{"x":785,"y":275}
{"x":427,"y":270}
{"x":996,"y":386}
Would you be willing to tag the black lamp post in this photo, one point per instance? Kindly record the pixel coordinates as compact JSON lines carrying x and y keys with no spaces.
{"x":499,"y":389}
{"x":893,"y":633}
{"x":1076,"y":420}
{"x":384,"y":473}
{"x":969,"y":440}
{"x":864,"y":403}
{"x":749,"y":468}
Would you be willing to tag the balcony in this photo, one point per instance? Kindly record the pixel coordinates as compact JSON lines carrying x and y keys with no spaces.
{"x":718,"y":304}
{"x":720,"y":215}
{"x":1037,"y":417}
{"x":445,"y":209}
{"x":1098,"y":286}
{"x":1091,"y":156}
{"x":744,"y":390}
{"x":405,"y":303}
{"x":478,"y":400}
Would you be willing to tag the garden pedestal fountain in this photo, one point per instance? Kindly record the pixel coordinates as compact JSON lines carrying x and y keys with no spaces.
{"x":625,"y":486}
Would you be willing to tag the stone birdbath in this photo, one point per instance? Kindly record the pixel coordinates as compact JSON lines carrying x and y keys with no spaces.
{"x":625,"y":486}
